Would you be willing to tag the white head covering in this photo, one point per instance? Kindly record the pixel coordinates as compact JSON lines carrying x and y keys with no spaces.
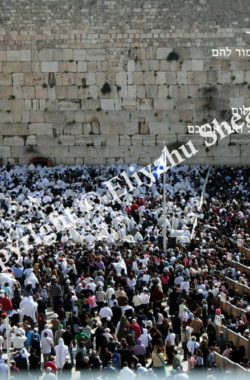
{"x":61,"y":353}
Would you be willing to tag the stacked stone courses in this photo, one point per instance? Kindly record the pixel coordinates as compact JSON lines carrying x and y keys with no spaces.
{"x":91,"y":82}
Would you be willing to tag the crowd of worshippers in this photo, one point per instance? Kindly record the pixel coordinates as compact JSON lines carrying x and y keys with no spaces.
{"x":120,"y":306}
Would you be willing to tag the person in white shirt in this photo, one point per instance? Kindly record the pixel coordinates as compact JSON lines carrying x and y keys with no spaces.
{"x":185,"y":285}
{"x":46,"y":346}
{"x":18,"y":341}
{"x":47,"y":331}
{"x":145,"y":338}
{"x":109,"y":292}
{"x":146,"y":278}
{"x":126,"y":373}
{"x":192,"y":345}
{"x":105,"y":312}
{"x":145,"y":298}
{"x":137,"y":301}
{"x":170,"y":343}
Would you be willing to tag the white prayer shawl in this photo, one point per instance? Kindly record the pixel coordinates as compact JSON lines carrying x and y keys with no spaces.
{"x":75,"y":236}
{"x":68,"y":217}
{"x":54,"y":220}
{"x":25,"y":242}
{"x":114,"y":234}
{"x":29,"y":308}
{"x":61,"y":352}
{"x":50,"y":239}
{"x":119,"y":266}
{"x":138,"y":236}
{"x":32,"y":279}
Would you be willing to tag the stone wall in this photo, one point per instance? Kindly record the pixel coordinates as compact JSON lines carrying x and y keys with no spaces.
{"x":91,"y":81}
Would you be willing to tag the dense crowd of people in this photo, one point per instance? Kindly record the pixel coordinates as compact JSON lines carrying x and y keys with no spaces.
{"x":87,"y":288}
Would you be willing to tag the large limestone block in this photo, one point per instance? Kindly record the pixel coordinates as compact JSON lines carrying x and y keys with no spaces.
{"x":13,"y":141}
{"x":13,"y":129}
{"x":119,"y":128}
{"x":149,"y":140}
{"x":197,"y":65}
{"x":163,"y":104}
{"x":41,"y":129}
{"x":137,"y":77}
{"x":46,"y":55}
{"x":49,"y":67}
{"x":79,"y":54}
{"x":162,"y":53}
{"x":160,"y":128}
{"x":17,"y":79}
{"x":13,"y":55}
{"x":171,"y":77}
{"x":95,"y":55}
{"x":65,"y":105}
{"x":5,"y":80}
{"x":28,"y":92}
{"x":121,"y":78}
{"x":25,"y":55}
{"x":125,"y":140}
{"x":110,"y":104}
{"x":149,"y":78}
{"x":3,"y":55}
{"x":145,"y":104}
{"x":131,"y":66}
{"x":5,"y":152}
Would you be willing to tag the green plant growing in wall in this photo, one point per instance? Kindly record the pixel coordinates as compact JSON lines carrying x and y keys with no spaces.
{"x":12,"y":97}
{"x":173,"y":56}
{"x":106,"y":89}
{"x":233,"y":77}
{"x":71,"y":122}
{"x":44,"y":85}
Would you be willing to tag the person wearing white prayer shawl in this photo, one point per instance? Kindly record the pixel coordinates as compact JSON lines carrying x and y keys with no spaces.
{"x":119,"y":266}
{"x":29,"y":308}
{"x":61,"y":352}
{"x":161,"y":221}
{"x":50,"y":239}
{"x":31,"y":280}
{"x":75,"y":236}
{"x":138,"y":236}
{"x":114,"y":234}
{"x":122,"y":232}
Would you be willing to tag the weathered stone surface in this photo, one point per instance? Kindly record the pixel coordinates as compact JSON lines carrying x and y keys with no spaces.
{"x":49,"y":67}
{"x":13,"y":141}
{"x":41,"y":129}
{"x":55,"y":60}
